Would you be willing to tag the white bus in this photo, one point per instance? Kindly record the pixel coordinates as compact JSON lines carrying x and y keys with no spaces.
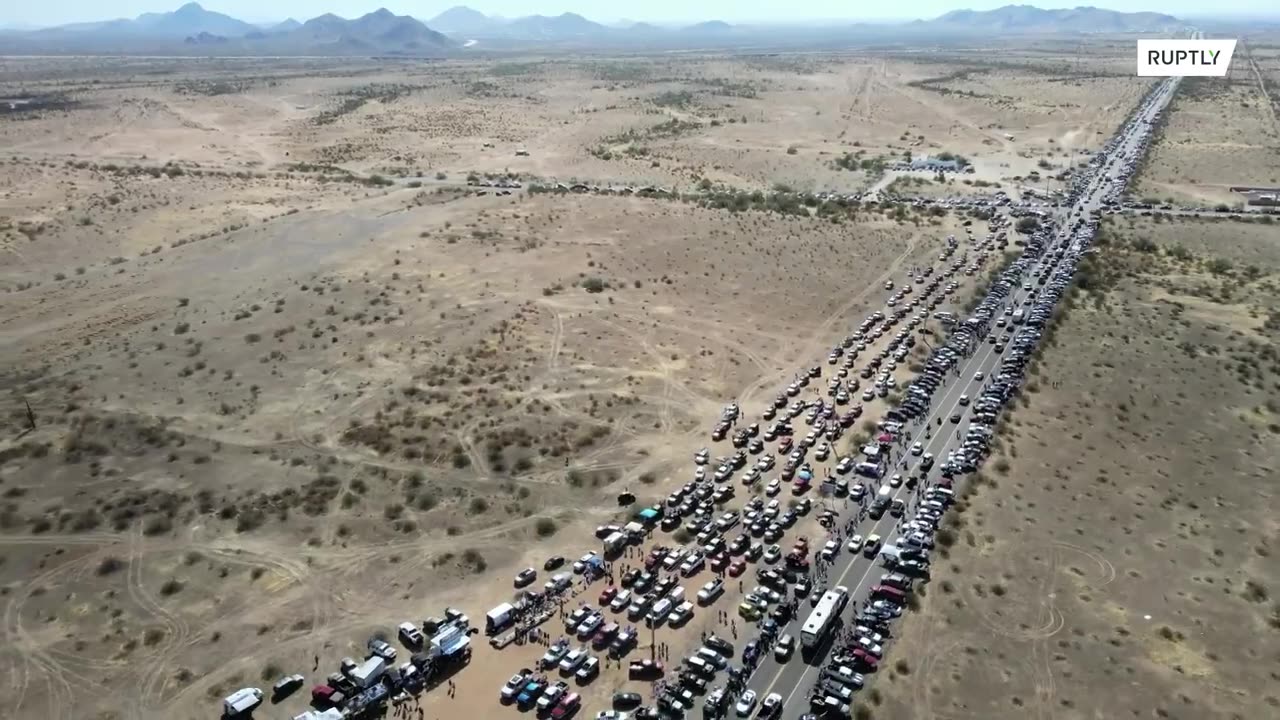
{"x":823,"y":618}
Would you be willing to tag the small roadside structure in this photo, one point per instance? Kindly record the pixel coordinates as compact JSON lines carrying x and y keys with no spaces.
{"x":933,"y":164}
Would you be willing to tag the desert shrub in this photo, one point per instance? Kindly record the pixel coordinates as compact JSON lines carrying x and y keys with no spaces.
{"x":85,"y":520}
{"x":1218,"y":266}
{"x":594,"y":285}
{"x":110,"y":565}
{"x":1254,"y":591}
{"x":473,"y":559}
{"x":172,"y":586}
{"x":157,"y":525}
{"x":545,"y":527}
{"x":249,"y":519}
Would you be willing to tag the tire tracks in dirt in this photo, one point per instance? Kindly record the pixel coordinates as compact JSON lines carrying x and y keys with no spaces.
{"x":1106,"y":569}
{"x":34,"y":662}
{"x":353,"y":560}
{"x":153,"y":679}
{"x":1262,"y":84}
{"x":804,"y":347}
{"x":1041,"y":659}
{"x":950,"y":114}
{"x":557,"y":342}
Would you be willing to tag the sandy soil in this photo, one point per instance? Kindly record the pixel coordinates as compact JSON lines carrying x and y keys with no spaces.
{"x":1115,"y":559}
{"x":1203,"y":149}
{"x":294,"y":382}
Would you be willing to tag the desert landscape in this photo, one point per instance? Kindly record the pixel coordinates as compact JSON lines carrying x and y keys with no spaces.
{"x":297,"y":349}
{"x":1114,"y":560}
{"x":1219,"y":134}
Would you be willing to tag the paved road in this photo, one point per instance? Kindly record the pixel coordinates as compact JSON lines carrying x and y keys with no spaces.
{"x":794,"y":679}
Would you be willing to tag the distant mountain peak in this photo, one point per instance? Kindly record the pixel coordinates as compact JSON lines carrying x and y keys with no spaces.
{"x":190,"y":20}
{"x":1029,"y":18}
{"x":462,"y":19}
{"x":710,"y":26}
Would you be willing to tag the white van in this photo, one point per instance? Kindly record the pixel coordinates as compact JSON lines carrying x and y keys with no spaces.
{"x":867,"y":469}
{"x":677,"y":594}
{"x":659,"y":612}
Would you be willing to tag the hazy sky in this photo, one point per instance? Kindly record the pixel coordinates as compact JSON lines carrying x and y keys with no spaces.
{"x":64,"y":11}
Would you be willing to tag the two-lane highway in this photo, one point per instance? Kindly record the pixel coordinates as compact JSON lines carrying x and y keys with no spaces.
{"x":794,"y":679}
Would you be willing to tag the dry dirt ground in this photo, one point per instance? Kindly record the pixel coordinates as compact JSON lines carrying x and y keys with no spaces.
{"x":1216,"y":133}
{"x":282,"y":402}
{"x":1119,"y":558}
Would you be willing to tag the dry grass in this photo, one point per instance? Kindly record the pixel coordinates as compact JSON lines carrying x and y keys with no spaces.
{"x":295,"y":382}
{"x":1121,"y":566}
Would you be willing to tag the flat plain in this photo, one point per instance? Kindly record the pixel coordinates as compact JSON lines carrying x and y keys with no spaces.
{"x":296,"y":376}
{"x":1116,"y":557}
{"x":1219,"y":133}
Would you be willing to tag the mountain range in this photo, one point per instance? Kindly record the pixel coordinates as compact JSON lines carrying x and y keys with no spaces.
{"x":199,"y":30}
{"x":1030,"y":19}
{"x":193,"y":29}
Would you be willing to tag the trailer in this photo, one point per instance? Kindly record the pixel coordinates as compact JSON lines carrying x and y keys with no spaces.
{"x":330,"y":714}
{"x":497,"y":619}
{"x":241,"y":701}
{"x":369,"y":672}
{"x":615,"y":542}
{"x":370,"y":700}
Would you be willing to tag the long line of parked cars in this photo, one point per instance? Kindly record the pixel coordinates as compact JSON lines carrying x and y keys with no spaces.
{"x":654,"y":598}
{"x":1053,"y":266}
{"x":652,"y":595}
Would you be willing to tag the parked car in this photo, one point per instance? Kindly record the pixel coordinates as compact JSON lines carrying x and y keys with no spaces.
{"x":783,"y":648}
